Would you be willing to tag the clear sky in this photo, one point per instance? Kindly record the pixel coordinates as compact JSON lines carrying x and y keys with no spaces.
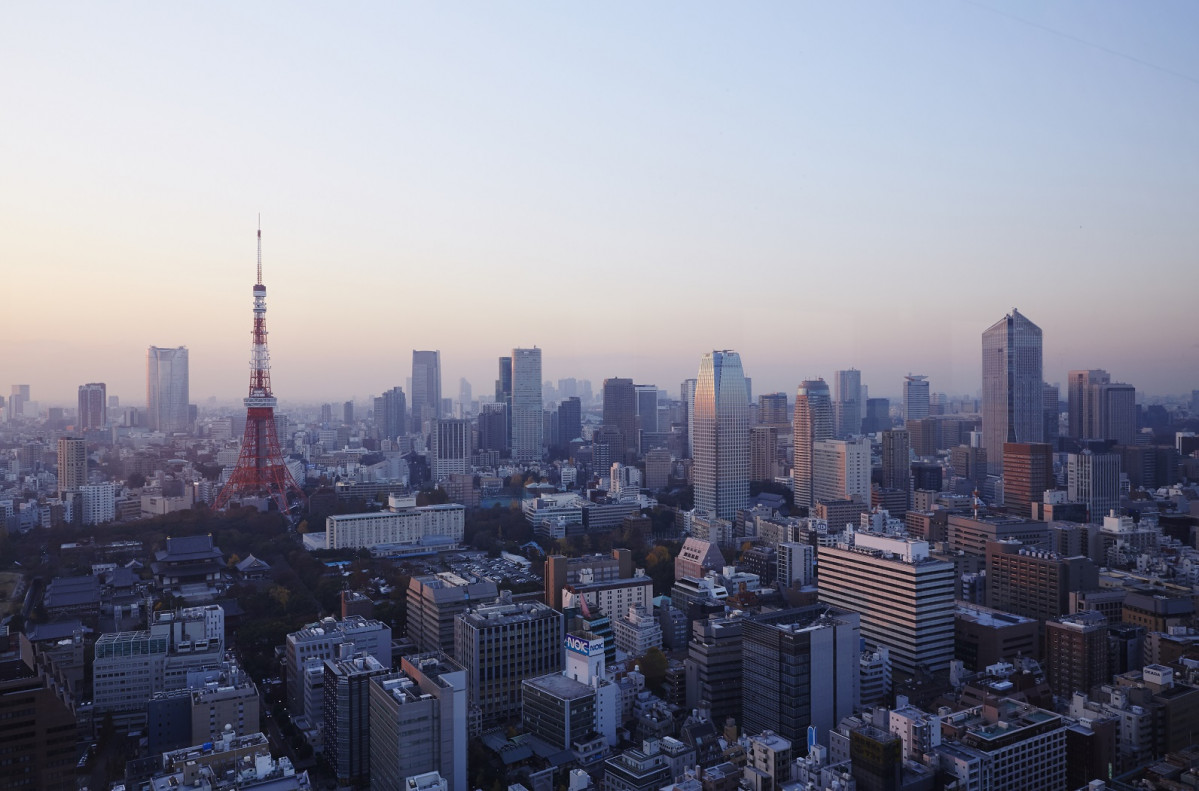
{"x":817,"y":185}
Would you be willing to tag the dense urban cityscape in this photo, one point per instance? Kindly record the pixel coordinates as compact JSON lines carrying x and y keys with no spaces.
{"x":624,"y":588}
{"x":640,"y":397}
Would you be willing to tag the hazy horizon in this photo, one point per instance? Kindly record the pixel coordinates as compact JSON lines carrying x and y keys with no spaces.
{"x":816,"y":186}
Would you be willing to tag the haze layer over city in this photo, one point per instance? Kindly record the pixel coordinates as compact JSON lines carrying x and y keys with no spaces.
{"x":814,"y":185}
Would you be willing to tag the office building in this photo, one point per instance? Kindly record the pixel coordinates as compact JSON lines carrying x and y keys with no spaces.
{"x":391,"y":413}
{"x":972,"y":534}
{"x":721,"y":450}
{"x":418,"y":719}
{"x":40,"y":732}
{"x":93,"y":407}
{"x":799,"y":668}
{"x":915,"y":398}
{"x":426,"y":388}
{"x":347,"y":413}
{"x":687,"y":396}
{"x":561,"y":571}
{"x":527,"y":419}
{"x":493,"y":428}
{"x":905,"y":597}
{"x":1051,"y":398}
{"x":403,"y":524}
{"x":620,"y":412}
{"x":796,"y":564}
{"x":847,"y":403}
{"x":1027,"y":474}
{"x":167,"y":390}
{"x":1004,"y":746}
{"x":1081,"y":395}
{"x":577,"y":709}
{"x":1076,"y":653}
{"x":813,"y":423}
{"x":658,"y":464}
{"x":1035,"y":583}
{"x":763,"y":453}
{"x":878,"y":415}
{"x":72,"y":464}
{"x":345,"y":727}
{"x":984,"y":637}
{"x":647,"y":408}
{"x":570,"y":420}
{"x":17,"y":400}
{"x":1012,"y":403}
{"x":841,"y":470}
{"x":502,"y":644}
{"x":637,"y":630}
{"x":434,"y":603}
{"x":714,"y":667}
{"x":450,"y":447}
{"x":773,"y":411}
{"x":897,"y":460}
{"x":1094,"y":480}
{"x":321,"y":640}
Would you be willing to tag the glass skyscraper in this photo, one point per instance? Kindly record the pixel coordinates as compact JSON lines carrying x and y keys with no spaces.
{"x":166,"y":390}
{"x":721,"y":422}
{"x":1013,"y":408}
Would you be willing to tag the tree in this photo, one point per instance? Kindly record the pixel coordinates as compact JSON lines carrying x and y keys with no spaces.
{"x":653,"y":667}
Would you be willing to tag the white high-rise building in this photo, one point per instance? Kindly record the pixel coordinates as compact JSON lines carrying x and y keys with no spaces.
{"x":847,"y":402}
{"x":721,"y":450}
{"x":915,"y":398}
{"x":167,"y":390}
{"x":841,"y":470}
{"x":527,"y":419}
{"x":1013,"y":405}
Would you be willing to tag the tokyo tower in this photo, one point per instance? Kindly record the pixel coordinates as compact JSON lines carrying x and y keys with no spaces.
{"x":260,"y":469}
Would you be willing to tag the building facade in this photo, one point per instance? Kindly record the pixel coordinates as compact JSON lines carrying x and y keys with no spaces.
{"x":167,"y":390}
{"x":721,"y":450}
{"x":1012,"y":403}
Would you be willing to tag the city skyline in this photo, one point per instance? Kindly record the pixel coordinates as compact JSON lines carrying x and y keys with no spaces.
{"x":957,"y":160}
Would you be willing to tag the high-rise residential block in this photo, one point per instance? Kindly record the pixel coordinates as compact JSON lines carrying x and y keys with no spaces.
{"x":1076,"y":653}
{"x":1035,"y":583}
{"x":391,"y":413}
{"x":763,"y":453}
{"x":346,"y":724}
{"x":1012,"y":403}
{"x":426,"y":388}
{"x":847,"y":402}
{"x":772,"y":411}
{"x":897,"y":460}
{"x":813,"y":422}
{"x":915,"y":398}
{"x":841,"y":470}
{"x":167,"y":390}
{"x":93,"y":407}
{"x":72,"y":464}
{"x":721,"y":452}
{"x":1094,"y":479}
{"x":527,"y":420}
{"x":1027,"y":474}
{"x":905,"y":597}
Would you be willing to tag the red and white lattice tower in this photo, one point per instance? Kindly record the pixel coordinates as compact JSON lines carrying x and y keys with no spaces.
{"x":260,"y":469}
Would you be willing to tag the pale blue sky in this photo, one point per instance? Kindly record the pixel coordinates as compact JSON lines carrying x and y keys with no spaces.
{"x":627,"y":185}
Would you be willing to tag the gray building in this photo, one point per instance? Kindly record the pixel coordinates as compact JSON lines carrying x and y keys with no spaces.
{"x":436,"y":600}
{"x":1012,"y":403}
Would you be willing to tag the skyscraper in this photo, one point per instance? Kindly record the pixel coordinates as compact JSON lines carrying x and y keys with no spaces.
{"x":915,"y":398}
{"x":813,"y":422}
{"x":1051,"y":399}
{"x":527,"y":420}
{"x":426,"y":388}
{"x":721,"y":449}
{"x":647,"y":407}
{"x":847,"y":402}
{"x":687,"y":396}
{"x":72,"y":464}
{"x":1012,"y":407}
{"x":465,"y":396}
{"x":841,"y":470}
{"x":897,"y":460}
{"x":166,"y":389}
{"x":1079,"y":395}
{"x":772,"y":410}
{"x":763,"y":453}
{"x":391,"y":411}
{"x":570,"y":420}
{"x":93,"y":406}
{"x":1115,"y":415}
{"x":620,"y":410}
{"x":1094,"y":479}
{"x":1027,"y":473}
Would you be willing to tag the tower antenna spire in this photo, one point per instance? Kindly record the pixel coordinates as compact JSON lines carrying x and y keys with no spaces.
{"x":260,"y":248}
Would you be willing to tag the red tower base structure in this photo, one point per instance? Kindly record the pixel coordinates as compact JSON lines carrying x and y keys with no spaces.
{"x":260,"y":469}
